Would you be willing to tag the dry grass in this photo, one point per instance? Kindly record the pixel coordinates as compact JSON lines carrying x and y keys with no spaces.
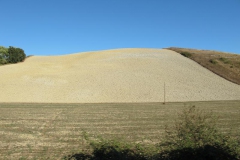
{"x":226,"y":65}
{"x":50,"y":131}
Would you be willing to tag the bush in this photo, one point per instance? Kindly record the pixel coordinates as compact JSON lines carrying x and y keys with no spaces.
{"x":224,"y":60}
{"x":11,"y":55}
{"x":104,"y":149}
{"x":3,"y":55}
{"x":213,"y":61}
{"x":194,"y":136}
{"x":112,"y":149}
{"x":15,"y":55}
{"x":186,"y":54}
{"x":207,"y":152}
{"x":2,"y":61}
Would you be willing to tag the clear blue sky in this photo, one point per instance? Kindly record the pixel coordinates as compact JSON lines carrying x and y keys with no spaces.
{"x":55,"y":27}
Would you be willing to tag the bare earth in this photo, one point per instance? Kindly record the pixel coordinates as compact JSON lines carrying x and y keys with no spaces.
{"x":123,"y":75}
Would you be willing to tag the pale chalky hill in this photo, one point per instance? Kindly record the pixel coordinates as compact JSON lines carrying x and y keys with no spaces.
{"x":121,"y":75}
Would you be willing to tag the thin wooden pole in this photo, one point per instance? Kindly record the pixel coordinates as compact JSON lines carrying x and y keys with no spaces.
{"x":164,"y":94}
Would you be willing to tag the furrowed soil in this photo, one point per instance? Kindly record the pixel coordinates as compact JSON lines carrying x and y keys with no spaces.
{"x":51,"y":131}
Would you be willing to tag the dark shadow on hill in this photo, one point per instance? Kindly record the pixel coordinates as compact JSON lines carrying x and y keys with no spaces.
{"x":207,"y":152}
{"x":108,"y":153}
{"x":78,"y":156}
{"x":203,"y":153}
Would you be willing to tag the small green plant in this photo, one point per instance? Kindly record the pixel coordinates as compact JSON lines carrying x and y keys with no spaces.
{"x":213,"y":61}
{"x":113,"y":149}
{"x":195,"y":135}
{"x":224,"y":60}
{"x":186,"y":54}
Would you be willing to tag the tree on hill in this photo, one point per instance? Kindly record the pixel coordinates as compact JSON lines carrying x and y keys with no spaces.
{"x":15,"y":55}
{"x":3,"y":55}
{"x":11,"y":55}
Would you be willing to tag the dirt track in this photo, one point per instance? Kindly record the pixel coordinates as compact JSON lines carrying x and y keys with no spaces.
{"x":124,"y":75}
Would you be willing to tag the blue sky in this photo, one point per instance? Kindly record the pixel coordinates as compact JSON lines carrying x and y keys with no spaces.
{"x":56,"y":27}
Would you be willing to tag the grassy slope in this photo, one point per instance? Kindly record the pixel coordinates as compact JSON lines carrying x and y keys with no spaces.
{"x":54,"y":130}
{"x":223,"y":64}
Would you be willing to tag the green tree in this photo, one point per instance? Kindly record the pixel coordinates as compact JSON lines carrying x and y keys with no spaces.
{"x":3,"y":55}
{"x":15,"y":55}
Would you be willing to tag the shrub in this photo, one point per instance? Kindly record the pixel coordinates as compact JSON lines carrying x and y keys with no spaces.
{"x":114,"y":149}
{"x":195,"y":136}
{"x":186,"y":54}
{"x":11,"y":55}
{"x":3,"y":55}
{"x":15,"y":55}
{"x":3,"y":61}
{"x":224,"y":60}
{"x":213,"y":61}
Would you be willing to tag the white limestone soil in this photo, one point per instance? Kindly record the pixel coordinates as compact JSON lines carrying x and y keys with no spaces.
{"x":122,"y":75}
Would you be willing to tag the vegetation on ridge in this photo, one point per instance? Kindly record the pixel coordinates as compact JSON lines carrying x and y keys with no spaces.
{"x":11,"y":55}
{"x":223,"y":64}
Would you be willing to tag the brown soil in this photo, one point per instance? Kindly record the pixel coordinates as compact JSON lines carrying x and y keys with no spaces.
{"x":226,"y":65}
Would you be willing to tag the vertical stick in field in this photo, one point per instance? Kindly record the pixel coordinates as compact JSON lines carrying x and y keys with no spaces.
{"x":164,"y":94}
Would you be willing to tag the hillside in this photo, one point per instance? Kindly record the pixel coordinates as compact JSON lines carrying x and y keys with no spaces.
{"x":123,"y":75}
{"x":226,"y":65}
